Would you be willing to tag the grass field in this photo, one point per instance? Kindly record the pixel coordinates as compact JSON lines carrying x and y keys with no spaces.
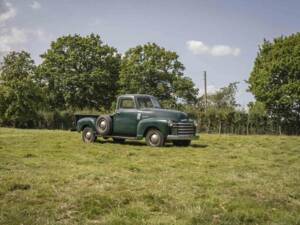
{"x":51,"y":177}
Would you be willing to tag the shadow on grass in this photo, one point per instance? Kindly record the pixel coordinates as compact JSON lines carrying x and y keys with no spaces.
{"x":139,"y":143}
{"x":198,"y":145}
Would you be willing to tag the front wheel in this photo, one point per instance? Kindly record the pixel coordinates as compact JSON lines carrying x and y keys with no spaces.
{"x":88,"y":135}
{"x":155,"y":138}
{"x":183,"y":143}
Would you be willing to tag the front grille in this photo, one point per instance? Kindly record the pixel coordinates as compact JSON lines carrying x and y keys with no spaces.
{"x":183,"y":129}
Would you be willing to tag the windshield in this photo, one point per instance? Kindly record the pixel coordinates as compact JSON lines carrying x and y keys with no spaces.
{"x":147,"y":102}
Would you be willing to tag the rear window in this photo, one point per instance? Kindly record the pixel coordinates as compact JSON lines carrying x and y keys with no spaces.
{"x":126,"y":103}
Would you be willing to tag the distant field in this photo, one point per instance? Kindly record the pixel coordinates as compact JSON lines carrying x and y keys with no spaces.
{"x":51,"y":177}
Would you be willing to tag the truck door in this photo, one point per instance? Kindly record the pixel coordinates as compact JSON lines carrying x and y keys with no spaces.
{"x":125,"y":118}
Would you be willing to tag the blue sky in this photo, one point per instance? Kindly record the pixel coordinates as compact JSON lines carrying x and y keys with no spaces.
{"x":221,"y":37}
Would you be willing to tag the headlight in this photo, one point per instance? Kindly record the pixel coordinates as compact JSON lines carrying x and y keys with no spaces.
{"x":170,"y":123}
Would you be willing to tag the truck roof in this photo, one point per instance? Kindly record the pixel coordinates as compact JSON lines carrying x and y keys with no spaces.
{"x":135,"y":95}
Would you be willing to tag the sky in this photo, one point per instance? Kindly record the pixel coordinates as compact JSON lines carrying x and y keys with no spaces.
{"x":218,"y":36}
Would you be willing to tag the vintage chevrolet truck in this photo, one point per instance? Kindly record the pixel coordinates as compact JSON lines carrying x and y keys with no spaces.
{"x":136,"y":117}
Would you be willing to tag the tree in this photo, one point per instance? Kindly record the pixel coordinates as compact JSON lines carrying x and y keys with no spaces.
{"x":258,"y":117}
{"x":80,"y":72}
{"x":275,"y":79}
{"x":150,"y":69}
{"x":20,"y":96}
{"x":225,"y":97}
{"x":220,"y":109}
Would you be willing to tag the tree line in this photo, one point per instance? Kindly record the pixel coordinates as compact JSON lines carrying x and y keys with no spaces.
{"x":82,"y":74}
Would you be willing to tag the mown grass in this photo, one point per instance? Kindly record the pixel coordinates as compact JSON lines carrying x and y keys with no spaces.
{"x":51,"y":177}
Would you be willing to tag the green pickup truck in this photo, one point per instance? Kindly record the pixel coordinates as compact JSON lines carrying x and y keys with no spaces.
{"x":136,"y":117}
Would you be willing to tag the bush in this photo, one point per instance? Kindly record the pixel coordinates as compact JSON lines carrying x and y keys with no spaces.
{"x":57,"y":120}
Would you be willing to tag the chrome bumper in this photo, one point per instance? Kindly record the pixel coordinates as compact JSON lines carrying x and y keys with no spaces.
{"x":182,"y":137}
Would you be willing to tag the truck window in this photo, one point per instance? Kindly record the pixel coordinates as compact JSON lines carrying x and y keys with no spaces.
{"x":147,"y":102}
{"x":155,"y":103}
{"x":126,"y":103}
{"x":144,"y":102}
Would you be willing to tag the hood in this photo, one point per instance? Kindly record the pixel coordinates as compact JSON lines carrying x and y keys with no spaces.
{"x":168,"y":114}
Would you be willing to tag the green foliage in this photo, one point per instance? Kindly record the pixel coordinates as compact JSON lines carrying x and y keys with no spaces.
{"x":20,"y":97}
{"x":220,"y":110}
{"x":52,"y":177}
{"x":151,"y":69}
{"x":224,"y":98}
{"x":258,"y":118}
{"x":275,"y":79}
{"x":83,"y":74}
{"x":223,"y":115}
{"x":56,"y":120}
{"x":80,"y":72}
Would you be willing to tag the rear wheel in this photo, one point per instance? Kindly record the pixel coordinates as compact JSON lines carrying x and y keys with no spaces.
{"x":155,"y":138}
{"x":182,"y":143}
{"x":88,"y":135}
{"x":119,"y":140}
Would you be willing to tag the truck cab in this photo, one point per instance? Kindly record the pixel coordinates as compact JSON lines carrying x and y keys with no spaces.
{"x":136,"y":117}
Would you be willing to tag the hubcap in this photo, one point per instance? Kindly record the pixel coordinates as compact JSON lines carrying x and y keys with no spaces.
{"x":88,"y":135}
{"x":102,"y":124}
{"x":154,"y":138}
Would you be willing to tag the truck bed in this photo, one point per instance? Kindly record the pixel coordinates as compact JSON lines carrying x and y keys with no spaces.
{"x":80,"y":116}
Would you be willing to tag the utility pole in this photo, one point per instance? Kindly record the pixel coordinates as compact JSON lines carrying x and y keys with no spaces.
{"x":205,"y":89}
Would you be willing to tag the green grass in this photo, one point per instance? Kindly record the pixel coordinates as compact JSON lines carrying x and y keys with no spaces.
{"x":51,"y":177}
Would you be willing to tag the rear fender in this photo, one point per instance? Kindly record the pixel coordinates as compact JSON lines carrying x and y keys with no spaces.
{"x":156,"y":123}
{"x":86,"y":122}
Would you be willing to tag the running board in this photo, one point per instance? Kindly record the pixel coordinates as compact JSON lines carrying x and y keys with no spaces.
{"x":121,"y":137}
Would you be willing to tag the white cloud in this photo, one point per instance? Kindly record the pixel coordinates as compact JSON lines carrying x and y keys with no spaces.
{"x":35,"y":5}
{"x":220,"y":50}
{"x":14,"y":38}
{"x":11,"y":37}
{"x":198,"y":48}
{"x":7,"y":11}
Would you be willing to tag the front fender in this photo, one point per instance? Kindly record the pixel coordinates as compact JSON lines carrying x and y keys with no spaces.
{"x":160,"y":124}
{"x":86,"y":122}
